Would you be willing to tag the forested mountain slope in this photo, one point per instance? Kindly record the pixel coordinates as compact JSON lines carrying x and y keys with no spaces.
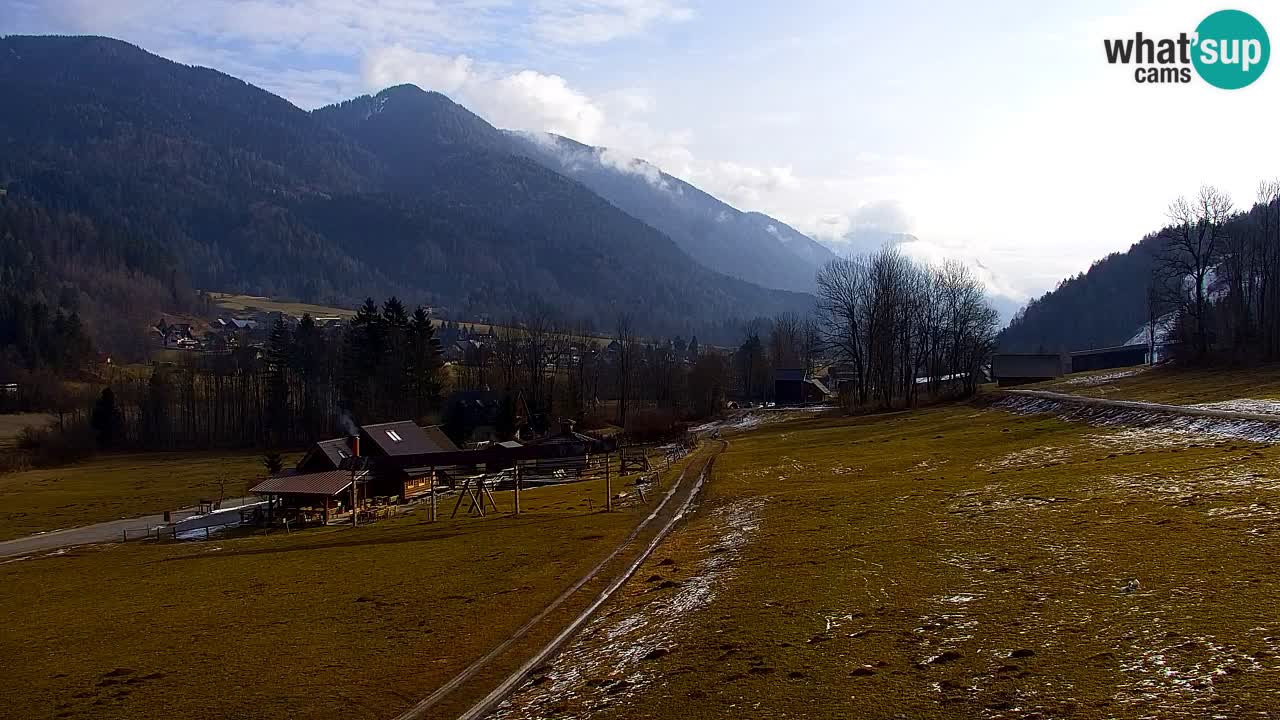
{"x":751,"y":246}
{"x":1099,"y":308}
{"x":400,"y":193}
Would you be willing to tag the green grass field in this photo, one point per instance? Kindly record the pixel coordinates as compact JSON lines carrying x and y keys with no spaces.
{"x":954,"y":562}
{"x":110,"y":487}
{"x":1172,"y":385}
{"x":320,"y":623}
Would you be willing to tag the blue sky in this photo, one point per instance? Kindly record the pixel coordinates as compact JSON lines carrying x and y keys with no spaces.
{"x":993,"y":131}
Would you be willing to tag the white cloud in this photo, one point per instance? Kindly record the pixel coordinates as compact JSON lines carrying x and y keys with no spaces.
{"x":589,"y":22}
{"x":512,"y":99}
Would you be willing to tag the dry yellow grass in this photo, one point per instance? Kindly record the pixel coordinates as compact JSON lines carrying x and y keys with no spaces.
{"x":949,"y":563}
{"x":320,"y":623}
{"x":110,"y":487}
{"x":1172,"y":385}
{"x":242,"y":303}
{"x":12,"y":424}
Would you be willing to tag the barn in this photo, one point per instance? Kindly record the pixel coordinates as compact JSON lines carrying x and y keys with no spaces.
{"x":1111,"y":357}
{"x":1022,"y":368}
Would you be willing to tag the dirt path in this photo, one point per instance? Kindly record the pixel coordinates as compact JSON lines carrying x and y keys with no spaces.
{"x":670,"y":509}
{"x":104,"y":532}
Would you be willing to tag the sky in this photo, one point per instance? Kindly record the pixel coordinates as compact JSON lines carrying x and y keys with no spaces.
{"x":993,"y":132}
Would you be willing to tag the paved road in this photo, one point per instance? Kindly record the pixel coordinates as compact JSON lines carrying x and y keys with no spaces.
{"x":111,"y":531}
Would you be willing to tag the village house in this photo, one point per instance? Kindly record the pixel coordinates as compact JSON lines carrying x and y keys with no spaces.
{"x":321,"y":482}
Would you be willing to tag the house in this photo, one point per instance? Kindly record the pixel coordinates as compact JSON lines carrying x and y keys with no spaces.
{"x":1022,"y":368}
{"x":1111,"y":357}
{"x":477,"y":414}
{"x":795,"y":386}
{"x":356,"y":457}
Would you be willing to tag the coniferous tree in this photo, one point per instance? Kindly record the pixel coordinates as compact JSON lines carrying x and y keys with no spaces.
{"x":106,"y":419}
{"x":423,"y":362}
{"x":276,"y":369}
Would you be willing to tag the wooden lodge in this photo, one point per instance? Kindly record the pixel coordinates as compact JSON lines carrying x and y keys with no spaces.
{"x":322,"y":480}
{"x":391,"y":463}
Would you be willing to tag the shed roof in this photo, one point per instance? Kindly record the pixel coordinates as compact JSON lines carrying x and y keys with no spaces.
{"x":327,"y":483}
{"x":336,"y":450}
{"x":1114,"y":348}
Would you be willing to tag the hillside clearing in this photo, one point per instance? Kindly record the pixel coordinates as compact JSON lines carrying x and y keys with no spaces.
{"x":958,"y":562}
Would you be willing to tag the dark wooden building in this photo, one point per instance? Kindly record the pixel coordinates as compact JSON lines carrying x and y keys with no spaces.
{"x":1112,"y":357}
{"x":795,"y":386}
{"x":384,"y":440}
{"x":1022,"y":368}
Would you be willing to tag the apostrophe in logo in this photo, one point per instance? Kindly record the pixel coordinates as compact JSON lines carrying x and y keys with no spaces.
{"x":1233,"y":49}
{"x":1229,"y":50}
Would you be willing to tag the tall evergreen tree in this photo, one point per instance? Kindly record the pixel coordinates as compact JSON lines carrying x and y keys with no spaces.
{"x":363,"y":349}
{"x":423,"y":362}
{"x":279,"y":351}
{"x":106,"y":419}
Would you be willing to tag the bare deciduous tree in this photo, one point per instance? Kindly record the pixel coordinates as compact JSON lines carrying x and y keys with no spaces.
{"x":1193,"y":246}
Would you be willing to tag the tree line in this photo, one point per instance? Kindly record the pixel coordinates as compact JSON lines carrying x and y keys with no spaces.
{"x":1215,"y":290}
{"x":898,"y":326}
{"x":305,"y":383}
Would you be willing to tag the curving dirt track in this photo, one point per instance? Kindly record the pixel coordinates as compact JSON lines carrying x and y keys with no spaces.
{"x":646,"y":537}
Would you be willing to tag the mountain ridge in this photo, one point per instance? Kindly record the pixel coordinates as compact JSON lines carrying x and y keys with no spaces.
{"x":401,"y":192}
{"x":748,"y":245}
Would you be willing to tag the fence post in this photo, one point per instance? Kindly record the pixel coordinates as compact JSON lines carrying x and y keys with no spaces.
{"x":125,"y":533}
{"x":608,"y":487}
{"x":518,"y":474}
{"x":433,"y":494}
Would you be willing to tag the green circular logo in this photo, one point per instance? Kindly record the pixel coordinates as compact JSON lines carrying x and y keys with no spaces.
{"x":1232,"y":49}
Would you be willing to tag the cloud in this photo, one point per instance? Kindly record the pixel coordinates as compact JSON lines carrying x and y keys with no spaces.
{"x":512,"y":99}
{"x":589,"y":22}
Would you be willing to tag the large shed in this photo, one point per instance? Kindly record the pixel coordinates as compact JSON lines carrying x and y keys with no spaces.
{"x":1110,"y":357}
{"x":1022,"y":368}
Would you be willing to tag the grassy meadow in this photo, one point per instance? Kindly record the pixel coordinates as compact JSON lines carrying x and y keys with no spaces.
{"x":952,"y":562}
{"x":12,"y":425}
{"x":320,"y":623}
{"x":114,"y":486}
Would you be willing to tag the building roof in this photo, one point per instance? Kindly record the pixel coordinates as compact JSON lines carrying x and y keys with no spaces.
{"x":327,"y":483}
{"x":1115,"y":348}
{"x":406,"y":438}
{"x":336,"y":450}
{"x":821,"y":387}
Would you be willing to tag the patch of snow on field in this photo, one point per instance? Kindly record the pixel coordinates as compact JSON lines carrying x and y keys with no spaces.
{"x":1173,"y":676}
{"x":1150,"y":420}
{"x":1095,"y":380}
{"x":1030,"y":457}
{"x":751,"y":419}
{"x":1244,"y":405}
{"x":606,"y":662}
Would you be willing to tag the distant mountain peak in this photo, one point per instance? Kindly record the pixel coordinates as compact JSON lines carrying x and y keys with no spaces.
{"x":748,"y":245}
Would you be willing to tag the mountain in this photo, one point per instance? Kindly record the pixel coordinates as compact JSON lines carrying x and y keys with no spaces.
{"x":1100,"y":308}
{"x":746,"y":245}
{"x":402,"y":192}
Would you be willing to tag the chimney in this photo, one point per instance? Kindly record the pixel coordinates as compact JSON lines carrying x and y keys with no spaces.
{"x":354,"y":442}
